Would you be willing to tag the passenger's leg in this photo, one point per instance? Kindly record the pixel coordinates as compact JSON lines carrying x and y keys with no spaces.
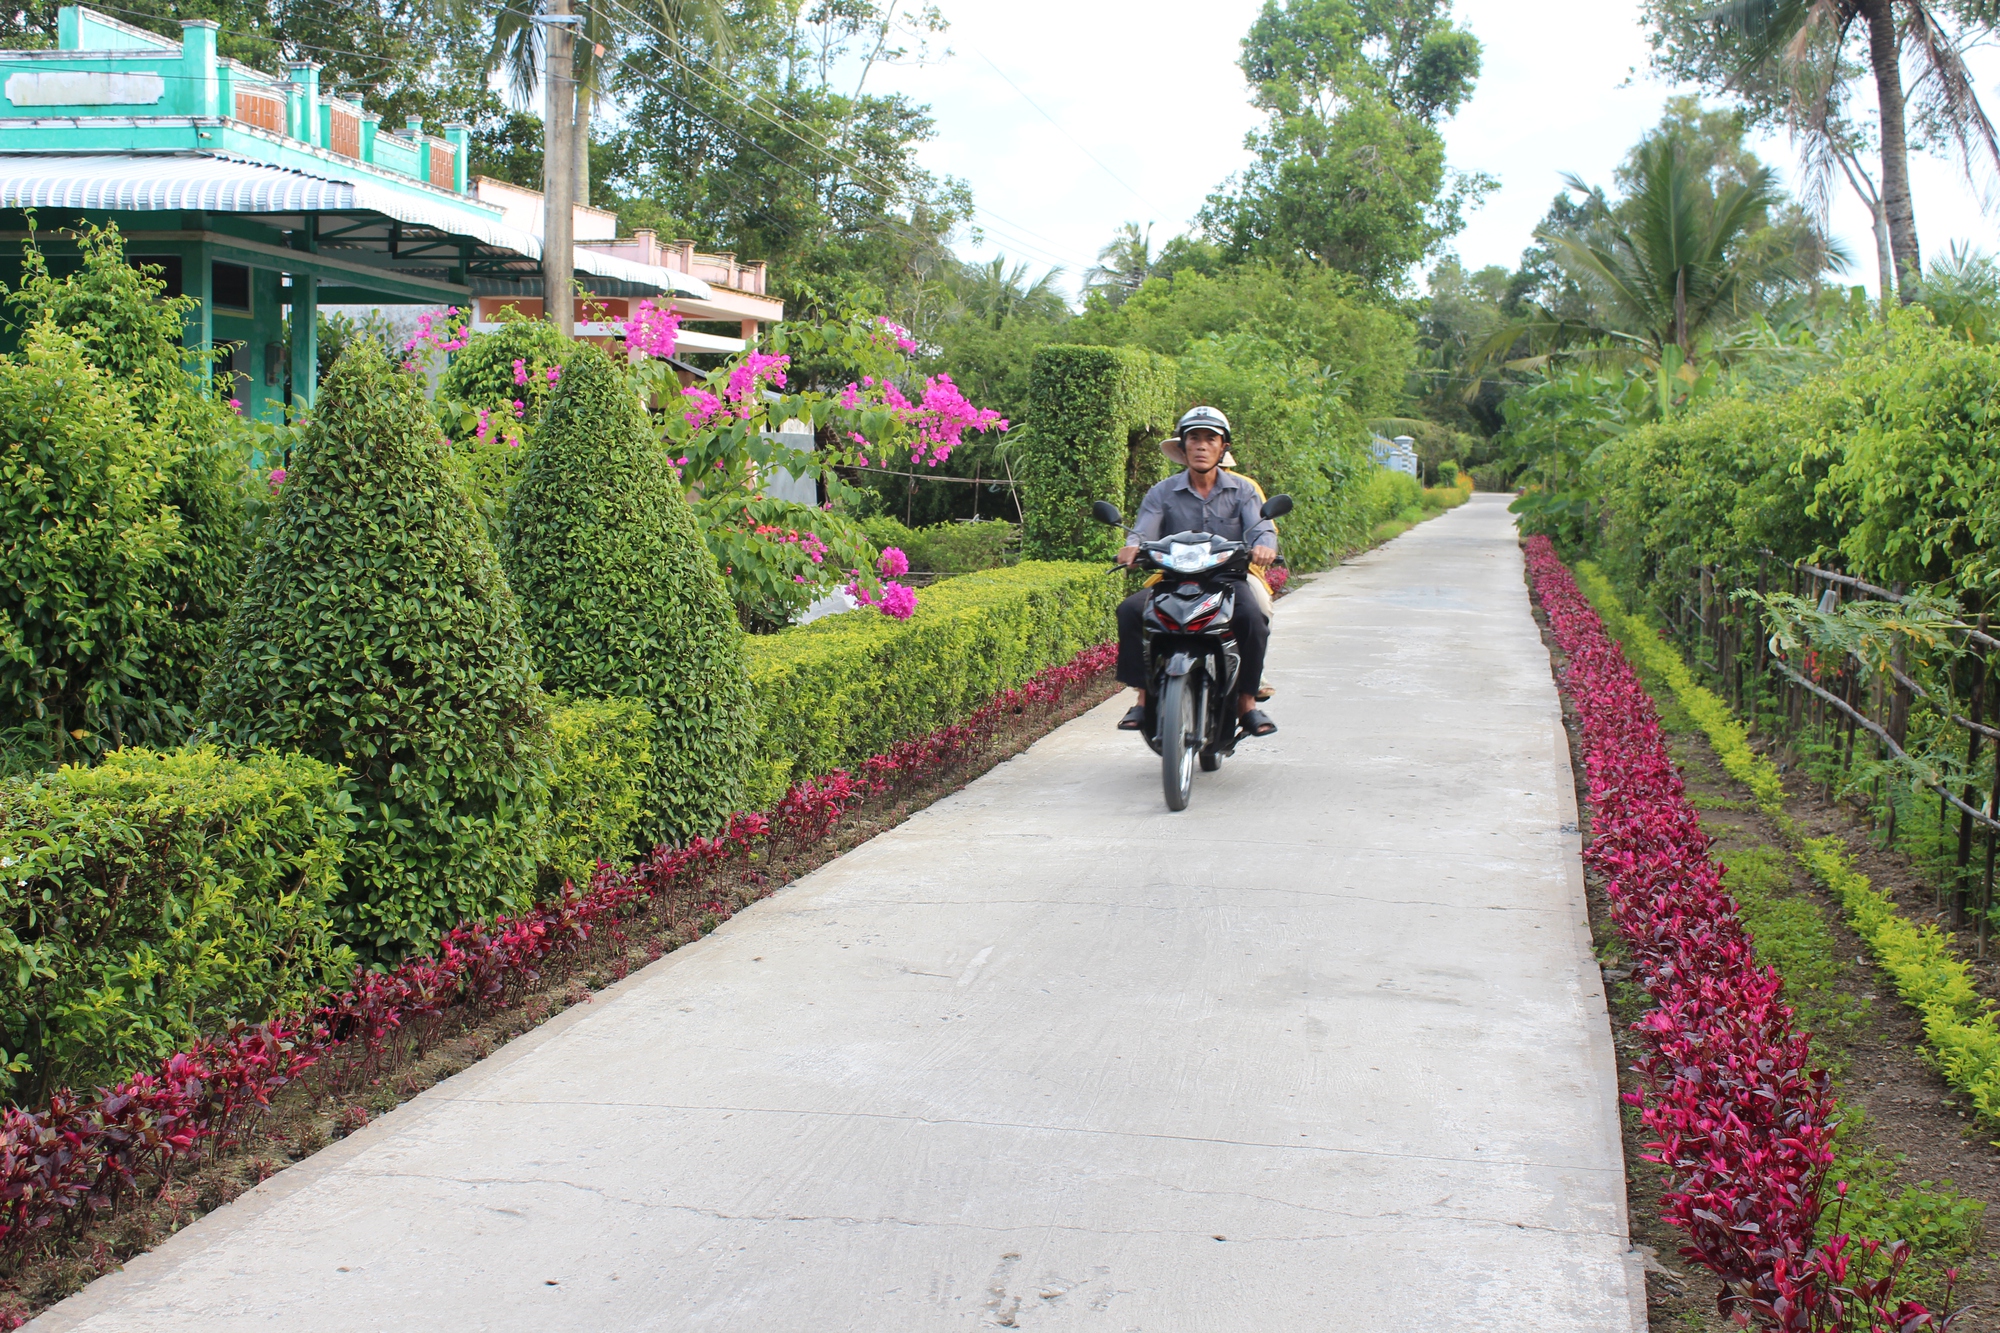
{"x":1253,"y":637}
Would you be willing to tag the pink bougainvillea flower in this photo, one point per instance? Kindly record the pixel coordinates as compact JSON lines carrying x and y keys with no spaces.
{"x":898,"y":602}
{"x":277,"y":478}
{"x":703,"y":406}
{"x":554,"y":373}
{"x":652,"y":331}
{"x":520,"y":371}
{"x":751,"y":374}
{"x":520,"y":409}
{"x":236,"y":404}
{"x":892,"y":563}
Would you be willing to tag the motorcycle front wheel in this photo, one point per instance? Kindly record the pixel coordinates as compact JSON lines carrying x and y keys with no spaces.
{"x":1180,"y":738}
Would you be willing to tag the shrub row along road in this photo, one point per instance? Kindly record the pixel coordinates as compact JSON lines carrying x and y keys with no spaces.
{"x":1327,"y":1051}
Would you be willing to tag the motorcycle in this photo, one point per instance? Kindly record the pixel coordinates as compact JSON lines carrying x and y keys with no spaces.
{"x":1190,"y":650}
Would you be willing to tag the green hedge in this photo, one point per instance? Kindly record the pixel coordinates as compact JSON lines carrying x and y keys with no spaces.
{"x":840,"y":689}
{"x":603,"y":759}
{"x":156,"y":898}
{"x":1098,"y":415}
{"x":945,"y":548}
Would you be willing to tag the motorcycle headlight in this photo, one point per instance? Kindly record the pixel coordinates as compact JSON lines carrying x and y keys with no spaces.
{"x":1190,"y":559}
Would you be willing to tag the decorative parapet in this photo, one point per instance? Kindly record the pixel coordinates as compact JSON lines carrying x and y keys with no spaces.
{"x":105,"y":75}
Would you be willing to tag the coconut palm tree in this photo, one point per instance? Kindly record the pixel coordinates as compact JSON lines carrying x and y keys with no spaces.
{"x":1123,"y":264}
{"x":1799,"y":43}
{"x":994,"y":293}
{"x":1673,"y":262}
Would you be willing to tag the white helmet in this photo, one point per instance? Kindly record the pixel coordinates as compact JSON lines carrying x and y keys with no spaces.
{"x":1203,"y":418}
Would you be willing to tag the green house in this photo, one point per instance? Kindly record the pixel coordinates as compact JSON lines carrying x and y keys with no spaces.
{"x":260,"y":196}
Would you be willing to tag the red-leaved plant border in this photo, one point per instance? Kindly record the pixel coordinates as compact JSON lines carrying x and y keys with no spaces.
{"x":1745,"y":1124}
{"x":81,"y":1157}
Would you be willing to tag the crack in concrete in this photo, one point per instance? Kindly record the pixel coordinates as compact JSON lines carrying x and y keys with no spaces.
{"x":1140,"y":1135}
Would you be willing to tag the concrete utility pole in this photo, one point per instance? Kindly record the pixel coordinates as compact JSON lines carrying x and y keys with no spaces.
{"x":558,"y":170}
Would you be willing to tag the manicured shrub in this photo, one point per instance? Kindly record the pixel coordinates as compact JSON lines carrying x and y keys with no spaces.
{"x":620,"y":596}
{"x":840,"y":689}
{"x":603,"y":755}
{"x":83,"y":531}
{"x":1098,"y":415}
{"x":377,"y":632}
{"x":159,"y":897}
{"x":945,"y":548}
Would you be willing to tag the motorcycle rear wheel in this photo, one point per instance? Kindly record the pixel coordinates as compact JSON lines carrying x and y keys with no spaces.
{"x":1180,"y":738}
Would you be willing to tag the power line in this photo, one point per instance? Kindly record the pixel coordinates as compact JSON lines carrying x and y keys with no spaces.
{"x":1067,"y":135}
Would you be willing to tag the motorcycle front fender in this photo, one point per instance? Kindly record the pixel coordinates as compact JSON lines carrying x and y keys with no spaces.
{"x":1180,"y":664}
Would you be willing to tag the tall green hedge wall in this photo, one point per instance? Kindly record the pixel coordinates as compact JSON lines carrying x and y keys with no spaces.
{"x":840,"y":689}
{"x":1098,"y":414}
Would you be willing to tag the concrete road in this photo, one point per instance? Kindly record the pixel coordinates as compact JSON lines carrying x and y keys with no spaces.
{"x":1327,"y":1051}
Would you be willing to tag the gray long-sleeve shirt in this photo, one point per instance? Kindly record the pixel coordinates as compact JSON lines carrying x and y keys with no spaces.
{"x":1231,"y":510}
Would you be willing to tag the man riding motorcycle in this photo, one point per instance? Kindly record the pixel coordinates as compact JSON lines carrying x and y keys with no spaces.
{"x":1204,"y":498}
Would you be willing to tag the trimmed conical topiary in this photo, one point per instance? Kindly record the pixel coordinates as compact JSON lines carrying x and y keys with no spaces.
{"x":622,"y":598}
{"x":376,"y":631}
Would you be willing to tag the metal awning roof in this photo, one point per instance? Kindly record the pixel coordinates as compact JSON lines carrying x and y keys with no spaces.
{"x":412,"y":230}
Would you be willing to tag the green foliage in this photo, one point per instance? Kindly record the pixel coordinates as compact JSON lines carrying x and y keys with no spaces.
{"x":491,"y":438}
{"x":376,"y":631}
{"x":843,"y":688}
{"x":1312,"y":312}
{"x":126,"y":327}
{"x":82,"y":534}
{"x":619,"y":595}
{"x":1098,"y":412}
{"x":156,"y":898}
{"x":603,"y":753}
{"x":946,"y":548}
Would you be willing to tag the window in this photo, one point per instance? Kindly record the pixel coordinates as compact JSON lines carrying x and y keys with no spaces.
{"x":169,"y":267}
{"x":232,"y":286}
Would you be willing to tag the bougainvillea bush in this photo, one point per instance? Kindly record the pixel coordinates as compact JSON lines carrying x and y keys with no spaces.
{"x":779,"y":556}
{"x":1745,"y":1125}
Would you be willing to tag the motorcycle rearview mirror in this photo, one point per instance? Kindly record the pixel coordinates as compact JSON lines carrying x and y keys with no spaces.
{"x":1277,"y":506}
{"x":1106,"y":512}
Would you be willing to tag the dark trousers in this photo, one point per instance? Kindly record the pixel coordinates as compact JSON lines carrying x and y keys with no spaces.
{"x":1253,"y":636}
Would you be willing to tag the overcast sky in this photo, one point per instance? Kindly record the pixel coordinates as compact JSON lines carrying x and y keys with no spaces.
{"x":1070,"y":117}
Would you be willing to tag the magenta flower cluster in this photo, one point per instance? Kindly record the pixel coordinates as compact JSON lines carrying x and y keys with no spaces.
{"x":1745,"y":1123}
{"x":652,"y":331}
{"x":443,"y":330}
{"x":901,"y":336}
{"x":892,"y":563}
{"x":941,"y":418}
{"x":752,"y":373}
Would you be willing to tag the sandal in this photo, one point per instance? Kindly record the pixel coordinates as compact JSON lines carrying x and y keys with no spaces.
{"x":1256,"y":723}
{"x":1134,"y":719}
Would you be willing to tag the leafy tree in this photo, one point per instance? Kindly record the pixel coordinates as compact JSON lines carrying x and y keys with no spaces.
{"x":1350,"y":168}
{"x":1312,"y":312}
{"x":621,"y":597}
{"x":1793,"y":61}
{"x":83,"y":531}
{"x":752,"y":146}
{"x":377,"y":632}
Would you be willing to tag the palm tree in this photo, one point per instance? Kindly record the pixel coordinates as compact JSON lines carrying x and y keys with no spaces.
{"x":1673,"y":262}
{"x":994,"y":293}
{"x":1800,"y":42}
{"x":1123,"y":264}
